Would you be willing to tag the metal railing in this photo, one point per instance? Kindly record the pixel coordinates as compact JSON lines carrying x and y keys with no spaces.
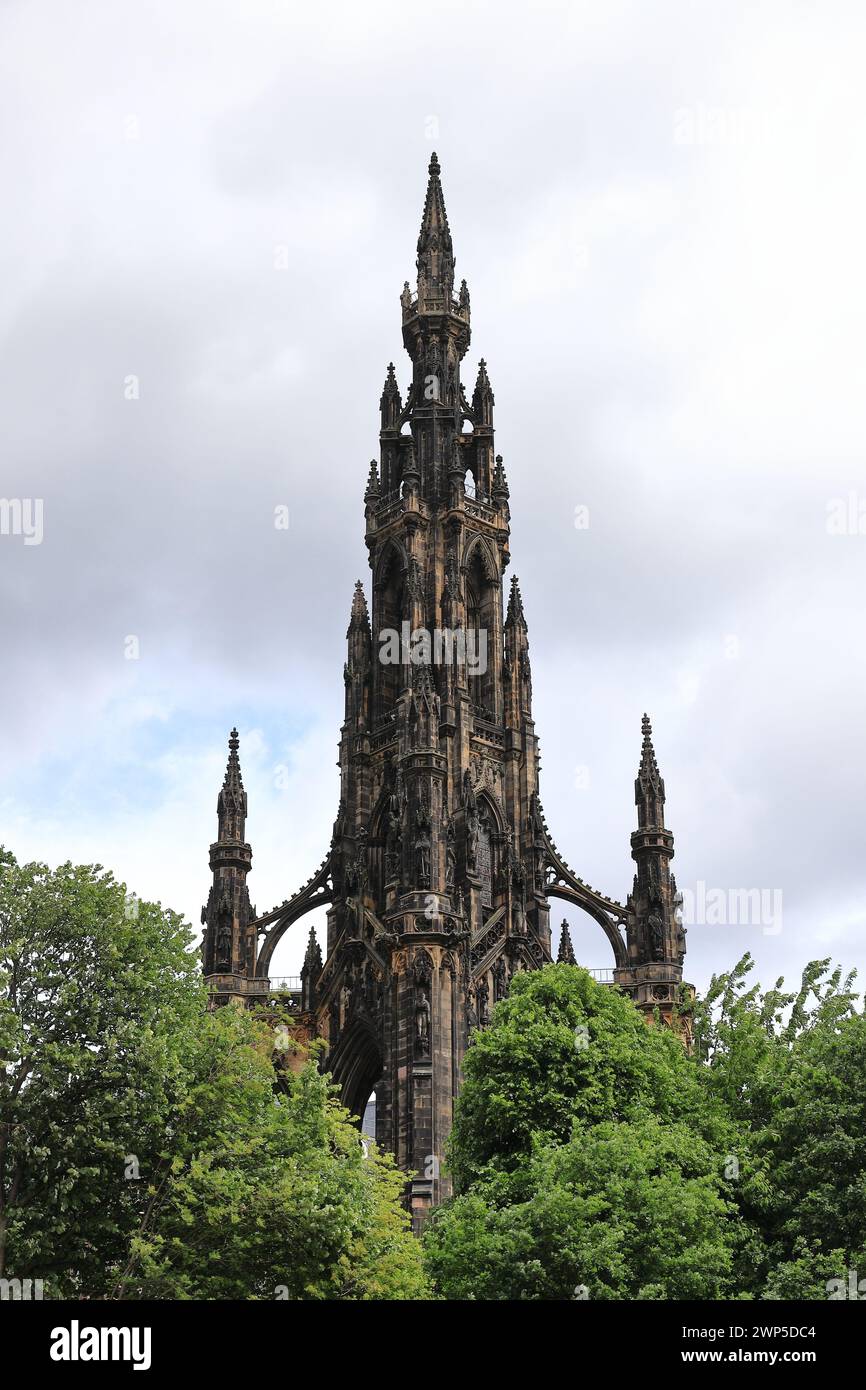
{"x":290,"y":984}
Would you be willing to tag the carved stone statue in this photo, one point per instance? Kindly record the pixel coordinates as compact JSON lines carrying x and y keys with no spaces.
{"x":657,"y":935}
{"x":482,"y":994}
{"x":394,"y":832}
{"x":422,"y":846}
{"x":224,"y":939}
{"x":450,"y":858}
{"x":473,"y":831}
{"x":472,"y":822}
{"x":471,"y":1015}
{"x":500,"y":980}
{"x":422,"y":1020}
{"x":518,"y":917}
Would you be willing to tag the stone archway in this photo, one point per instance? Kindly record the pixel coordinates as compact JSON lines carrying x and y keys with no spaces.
{"x":356,"y":1065}
{"x":586,"y":904}
{"x":316,"y":892}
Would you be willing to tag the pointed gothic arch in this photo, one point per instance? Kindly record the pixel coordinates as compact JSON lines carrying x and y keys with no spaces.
{"x":482,"y":624}
{"x":317,"y":892}
{"x":481,"y":546}
{"x":393,"y":552}
{"x":610,"y":928}
{"x":389,"y":601}
{"x":356,"y":1064}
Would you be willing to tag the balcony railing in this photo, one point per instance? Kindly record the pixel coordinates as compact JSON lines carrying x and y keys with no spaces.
{"x":285,"y":984}
{"x":291,"y":984}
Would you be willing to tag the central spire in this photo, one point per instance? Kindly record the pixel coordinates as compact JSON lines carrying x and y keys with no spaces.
{"x":435,"y":261}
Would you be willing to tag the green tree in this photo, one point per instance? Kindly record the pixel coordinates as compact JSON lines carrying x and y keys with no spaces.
{"x":97,"y":993}
{"x":563,"y":1049}
{"x":589,"y":1159}
{"x":635,"y":1209}
{"x":790,"y":1066}
{"x":268,"y":1192}
{"x":149,"y":1147}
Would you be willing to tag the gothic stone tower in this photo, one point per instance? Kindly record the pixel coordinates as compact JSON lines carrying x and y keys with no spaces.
{"x":439,"y":875}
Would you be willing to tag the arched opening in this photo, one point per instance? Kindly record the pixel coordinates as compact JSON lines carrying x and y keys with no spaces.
{"x":585,"y":954}
{"x":356,"y":1066}
{"x":392,"y":472}
{"x":317,"y":893}
{"x":390,"y":617}
{"x":484,"y":853}
{"x":368,"y":1119}
{"x":608,"y":925}
{"x":481,"y":592}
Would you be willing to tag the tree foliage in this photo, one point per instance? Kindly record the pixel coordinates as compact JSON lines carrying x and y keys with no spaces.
{"x":791,"y":1069}
{"x":148,"y":1147}
{"x":591,"y":1153}
{"x":268,"y":1193}
{"x":97,"y":995}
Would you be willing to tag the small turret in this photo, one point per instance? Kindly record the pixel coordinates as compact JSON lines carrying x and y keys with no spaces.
{"x":358,"y":662}
{"x":649,"y":787}
{"x":232,"y":800}
{"x":482,"y":399}
{"x":656,"y":939}
{"x":310,"y":972}
{"x":229,"y":946}
{"x":517,"y":669}
{"x":390,"y":404}
{"x":565,"y":955}
{"x":372,"y":491}
{"x":500,"y":490}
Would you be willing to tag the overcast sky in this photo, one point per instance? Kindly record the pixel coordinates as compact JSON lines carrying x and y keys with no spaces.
{"x":209,"y":213}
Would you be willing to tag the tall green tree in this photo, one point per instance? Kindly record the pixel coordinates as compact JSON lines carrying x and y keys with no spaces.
{"x":630,"y":1209}
{"x":589,"y":1159}
{"x":268,"y":1193}
{"x":790,"y":1066}
{"x":150,"y":1148}
{"x":98,"y":993}
{"x":563,"y":1049}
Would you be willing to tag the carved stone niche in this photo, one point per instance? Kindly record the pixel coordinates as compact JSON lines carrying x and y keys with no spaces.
{"x":422,"y":1012}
